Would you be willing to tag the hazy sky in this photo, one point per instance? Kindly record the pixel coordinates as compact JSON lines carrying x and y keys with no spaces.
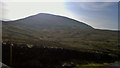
{"x":98,"y":14}
{"x":101,"y":15}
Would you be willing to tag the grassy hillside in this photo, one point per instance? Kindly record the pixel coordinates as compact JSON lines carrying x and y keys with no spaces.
{"x":56,"y":33}
{"x":100,"y":40}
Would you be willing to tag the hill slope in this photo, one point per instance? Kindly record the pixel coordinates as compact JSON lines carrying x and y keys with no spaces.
{"x":68,"y":32}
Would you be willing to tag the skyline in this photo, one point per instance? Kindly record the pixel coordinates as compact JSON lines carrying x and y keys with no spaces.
{"x":104,"y":16}
{"x":98,"y":14}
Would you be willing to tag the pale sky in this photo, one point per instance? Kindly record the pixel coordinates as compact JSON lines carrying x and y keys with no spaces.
{"x":60,"y":0}
{"x":18,"y":10}
{"x":98,"y":15}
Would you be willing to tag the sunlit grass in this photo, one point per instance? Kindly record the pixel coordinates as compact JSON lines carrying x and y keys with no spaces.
{"x":91,"y":65}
